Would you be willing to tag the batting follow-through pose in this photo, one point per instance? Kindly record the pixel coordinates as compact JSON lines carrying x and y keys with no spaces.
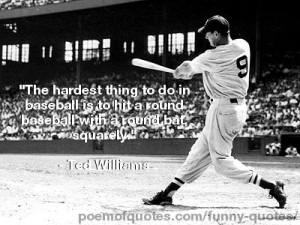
{"x":225,"y":71}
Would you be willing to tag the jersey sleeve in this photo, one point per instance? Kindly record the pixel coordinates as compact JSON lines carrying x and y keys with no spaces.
{"x":201,"y":63}
{"x":208,"y":61}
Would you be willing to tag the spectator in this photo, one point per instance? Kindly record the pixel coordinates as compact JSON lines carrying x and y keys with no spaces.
{"x":291,"y":151}
{"x":274,"y":148}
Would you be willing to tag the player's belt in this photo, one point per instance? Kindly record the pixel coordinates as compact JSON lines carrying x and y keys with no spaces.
{"x":229,"y":100}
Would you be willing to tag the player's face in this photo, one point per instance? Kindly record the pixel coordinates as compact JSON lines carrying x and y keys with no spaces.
{"x":213,"y":38}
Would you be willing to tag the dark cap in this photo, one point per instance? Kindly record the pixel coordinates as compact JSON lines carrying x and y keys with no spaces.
{"x":215,"y":23}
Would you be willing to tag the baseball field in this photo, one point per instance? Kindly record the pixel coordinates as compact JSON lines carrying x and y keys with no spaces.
{"x":70,"y":190}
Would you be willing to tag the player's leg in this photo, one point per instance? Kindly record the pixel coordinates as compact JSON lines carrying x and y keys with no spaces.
{"x":272,"y":151}
{"x":197,"y":161}
{"x":195,"y":164}
{"x":229,"y":120}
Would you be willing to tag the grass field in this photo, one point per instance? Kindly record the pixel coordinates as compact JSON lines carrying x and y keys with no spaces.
{"x":42,"y":189}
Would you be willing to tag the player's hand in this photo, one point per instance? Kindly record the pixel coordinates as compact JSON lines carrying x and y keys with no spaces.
{"x":184,"y":71}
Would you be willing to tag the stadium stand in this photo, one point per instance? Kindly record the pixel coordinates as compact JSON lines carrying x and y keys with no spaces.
{"x":273,"y":101}
{"x":15,"y":4}
{"x":273,"y":107}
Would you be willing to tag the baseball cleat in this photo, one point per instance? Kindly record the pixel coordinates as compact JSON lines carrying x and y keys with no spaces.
{"x":158,"y":199}
{"x":278,"y":194}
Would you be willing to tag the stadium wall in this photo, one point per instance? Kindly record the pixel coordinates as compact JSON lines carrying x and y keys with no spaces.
{"x":241,"y":145}
{"x":46,"y":147}
{"x":162,"y":146}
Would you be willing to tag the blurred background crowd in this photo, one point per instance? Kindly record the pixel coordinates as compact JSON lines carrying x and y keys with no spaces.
{"x":273,"y":105}
{"x":14,"y":4}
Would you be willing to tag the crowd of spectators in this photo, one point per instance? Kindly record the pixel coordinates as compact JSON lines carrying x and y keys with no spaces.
{"x":274,"y":102}
{"x":193,"y":112}
{"x":273,"y":107}
{"x":15,"y":4}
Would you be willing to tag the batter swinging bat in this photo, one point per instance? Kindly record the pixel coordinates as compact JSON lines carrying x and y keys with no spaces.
{"x":150,"y":65}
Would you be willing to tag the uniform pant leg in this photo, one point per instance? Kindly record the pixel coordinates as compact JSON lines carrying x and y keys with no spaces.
{"x":228,"y":121}
{"x":197,"y":161}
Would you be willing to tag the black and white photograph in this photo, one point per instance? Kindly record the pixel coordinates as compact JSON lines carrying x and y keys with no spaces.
{"x":149,"y":112}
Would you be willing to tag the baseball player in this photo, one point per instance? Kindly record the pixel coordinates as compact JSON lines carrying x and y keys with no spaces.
{"x":225,"y":71}
{"x":273,"y":149}
{"x":291,"y":151}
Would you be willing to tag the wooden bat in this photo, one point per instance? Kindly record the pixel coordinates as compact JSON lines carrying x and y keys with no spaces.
{"x":150,"y":65}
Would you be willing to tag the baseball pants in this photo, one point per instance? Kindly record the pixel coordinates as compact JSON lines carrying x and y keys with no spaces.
{"x":223,"y":122}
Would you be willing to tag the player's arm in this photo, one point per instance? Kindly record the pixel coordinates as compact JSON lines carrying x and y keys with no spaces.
{"x":188,"y":68}
{"x":204,"y":62}
{"x":184,"y":71}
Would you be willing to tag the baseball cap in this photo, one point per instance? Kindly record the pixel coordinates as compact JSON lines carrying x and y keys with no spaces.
{"x":215,"y":23}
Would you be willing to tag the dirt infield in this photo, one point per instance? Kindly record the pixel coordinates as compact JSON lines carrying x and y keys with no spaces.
{"x":43,"y":189}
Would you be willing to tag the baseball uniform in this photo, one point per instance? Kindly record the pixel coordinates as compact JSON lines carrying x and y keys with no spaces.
{"x":225,"y":72}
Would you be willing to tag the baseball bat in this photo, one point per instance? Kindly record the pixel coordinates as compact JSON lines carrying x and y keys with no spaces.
{"x":150,"y":65}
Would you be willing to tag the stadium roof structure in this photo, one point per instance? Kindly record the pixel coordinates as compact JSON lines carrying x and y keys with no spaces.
{"x":60,"y":7}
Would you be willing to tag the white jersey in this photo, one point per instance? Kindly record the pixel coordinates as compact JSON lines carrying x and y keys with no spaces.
{"x":225,"y":69}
